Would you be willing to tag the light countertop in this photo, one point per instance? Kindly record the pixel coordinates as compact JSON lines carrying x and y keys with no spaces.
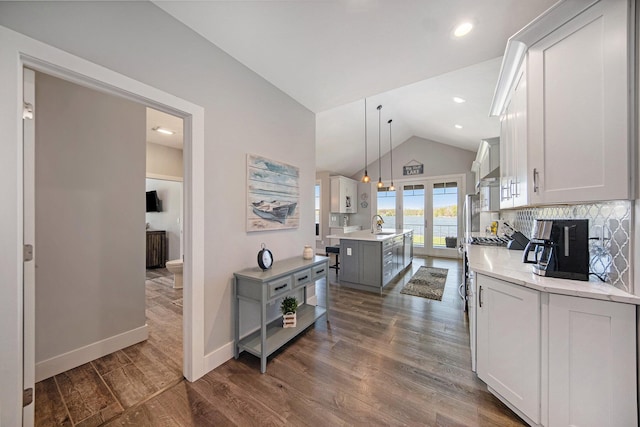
{"x":505,"y":264}
{"x":387,"y":233}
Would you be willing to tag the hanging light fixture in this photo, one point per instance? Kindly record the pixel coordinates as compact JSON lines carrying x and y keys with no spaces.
{"x":380,"y":185}
{"x":391,"y":187}
{"x":365,"y":177}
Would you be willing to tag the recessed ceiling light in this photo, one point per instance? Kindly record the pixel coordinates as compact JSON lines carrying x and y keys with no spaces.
{"x":458,"y":126}
{"x":458,"y":100}
{"x":162,"y":130}
{"x":463,"y":29}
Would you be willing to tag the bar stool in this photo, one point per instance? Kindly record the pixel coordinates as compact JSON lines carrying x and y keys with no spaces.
{"x":334,"y":250}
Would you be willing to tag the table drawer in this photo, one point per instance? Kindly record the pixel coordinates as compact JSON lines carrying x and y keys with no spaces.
{"x":302,"y":277}
{"x":280,"y":286}
{"x":318,"y":271}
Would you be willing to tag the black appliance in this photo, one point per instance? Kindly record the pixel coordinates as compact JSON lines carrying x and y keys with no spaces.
{"x":560,"y":248}
{"x":153,"y":203}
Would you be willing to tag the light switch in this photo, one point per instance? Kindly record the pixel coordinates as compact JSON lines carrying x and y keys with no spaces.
{"x":349,"y":251}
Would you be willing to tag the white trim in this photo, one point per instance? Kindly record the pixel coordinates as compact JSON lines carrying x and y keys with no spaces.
{"x":519,"y":44}
{"x":218,"y":357}
{"x":164,"y":177}
{"x":17,"y":50}
{"x":64,"y":362}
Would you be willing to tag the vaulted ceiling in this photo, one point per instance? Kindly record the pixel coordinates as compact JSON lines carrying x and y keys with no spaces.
{"x":331,"y":55}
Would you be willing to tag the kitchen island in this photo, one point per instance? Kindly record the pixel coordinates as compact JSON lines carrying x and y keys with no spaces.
{"x":369,"y":261}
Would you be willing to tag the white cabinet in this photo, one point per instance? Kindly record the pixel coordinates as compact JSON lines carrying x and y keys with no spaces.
{"x":489,"y":198}
{"x":513,"y":146}
{"x":344,"y":195}
{"x":566,"y":114}
{"x":508,"y":343}
{"x":592,"y":362}
{"x":488,"y":157}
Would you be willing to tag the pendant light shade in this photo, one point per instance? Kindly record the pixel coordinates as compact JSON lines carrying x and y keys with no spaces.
{"x":391,"y":187}
{"x":365,"y":177}
{"x":380,"y":184}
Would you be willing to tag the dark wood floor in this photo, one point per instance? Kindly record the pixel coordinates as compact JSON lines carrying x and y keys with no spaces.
{"x":388,"y":359}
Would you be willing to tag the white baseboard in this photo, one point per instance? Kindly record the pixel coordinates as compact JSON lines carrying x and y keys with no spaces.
{"x":74,"y":358}
{"x":218,"y":357}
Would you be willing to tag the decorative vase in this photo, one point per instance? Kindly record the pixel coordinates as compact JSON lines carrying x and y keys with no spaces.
{"x":307,"y":253}
{"x":289,"y":320}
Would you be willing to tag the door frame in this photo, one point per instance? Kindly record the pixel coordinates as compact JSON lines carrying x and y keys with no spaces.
{"x":17,"y":52}
{"x":428,"y":183}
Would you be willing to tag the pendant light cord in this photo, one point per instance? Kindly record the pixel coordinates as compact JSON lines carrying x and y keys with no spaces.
{"x":379,"y":150}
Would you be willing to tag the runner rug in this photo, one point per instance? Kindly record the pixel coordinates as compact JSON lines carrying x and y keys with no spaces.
{"x":427,"y":282}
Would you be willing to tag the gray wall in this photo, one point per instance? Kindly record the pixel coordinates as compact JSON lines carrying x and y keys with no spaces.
{"x":90,"y":240}
{"x":165,"y":161}
{"x":170,"y":218}
{"x":243,"y":114}
{"x":438,"y":159}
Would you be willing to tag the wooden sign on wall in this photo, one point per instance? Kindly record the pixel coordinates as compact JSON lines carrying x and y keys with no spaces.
{"x":413,"y":169}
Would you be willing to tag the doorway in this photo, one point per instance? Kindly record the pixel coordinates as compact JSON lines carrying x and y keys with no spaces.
{"x":68,"y":67}
{"x":431,"y":208}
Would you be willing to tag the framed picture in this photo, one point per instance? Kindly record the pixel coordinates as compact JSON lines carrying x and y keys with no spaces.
{"x":272,"y":194}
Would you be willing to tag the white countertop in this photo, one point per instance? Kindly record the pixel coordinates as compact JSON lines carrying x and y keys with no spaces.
{"x":505,"y":264}
{"x":387,"y":233}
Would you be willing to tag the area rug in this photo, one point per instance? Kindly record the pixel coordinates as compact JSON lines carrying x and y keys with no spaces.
{"x":427,"y":282}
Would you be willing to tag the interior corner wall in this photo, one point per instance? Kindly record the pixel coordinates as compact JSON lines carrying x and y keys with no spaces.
{"x":90,"y":244}
{"x":170,"y":217}
{"x":164,"y":161}
{"x":243,"y":114}
{"x":325,"y":209}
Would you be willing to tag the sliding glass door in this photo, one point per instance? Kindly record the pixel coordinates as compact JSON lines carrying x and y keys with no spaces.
{"x":431,"y":208}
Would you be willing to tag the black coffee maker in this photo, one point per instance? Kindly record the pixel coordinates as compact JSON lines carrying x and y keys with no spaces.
{"x":560,"y":248}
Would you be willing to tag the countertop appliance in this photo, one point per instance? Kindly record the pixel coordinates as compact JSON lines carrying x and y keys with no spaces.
{"x":560,"y":247}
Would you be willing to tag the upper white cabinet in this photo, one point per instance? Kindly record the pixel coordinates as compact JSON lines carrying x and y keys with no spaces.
{"x":344,"y":195}
{"x":579,"y":108}
{"x":508,"y":342}
{"x":513,"y":146}
{"x":564,"y":99}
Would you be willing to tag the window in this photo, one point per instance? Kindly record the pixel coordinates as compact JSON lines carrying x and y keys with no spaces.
{"x":387,"y":207}
{"x":317,"y":209}
{"x":445,"y":212}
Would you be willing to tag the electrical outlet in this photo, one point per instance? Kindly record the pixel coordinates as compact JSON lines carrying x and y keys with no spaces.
{"x":349,"y":251}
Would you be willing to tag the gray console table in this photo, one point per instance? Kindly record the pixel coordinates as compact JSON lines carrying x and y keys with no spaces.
{"x":265,"y":287}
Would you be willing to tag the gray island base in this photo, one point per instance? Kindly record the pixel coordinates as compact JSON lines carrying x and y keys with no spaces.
{"x":369,"y":261}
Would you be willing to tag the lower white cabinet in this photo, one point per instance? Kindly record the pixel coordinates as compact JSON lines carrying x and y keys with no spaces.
{"x":556,"y":360}
{"x":508,"y":343}
{"x":592,"y":363}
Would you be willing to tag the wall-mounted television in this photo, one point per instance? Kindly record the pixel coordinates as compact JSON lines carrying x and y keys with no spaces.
{"x":153,"y":203}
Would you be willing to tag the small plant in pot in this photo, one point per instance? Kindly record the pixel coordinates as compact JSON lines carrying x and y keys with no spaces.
{"x":288,"y":307}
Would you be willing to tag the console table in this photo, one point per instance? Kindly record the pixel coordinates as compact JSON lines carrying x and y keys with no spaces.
{"x":265,"y":287}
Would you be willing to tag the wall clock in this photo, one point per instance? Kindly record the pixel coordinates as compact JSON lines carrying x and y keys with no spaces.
{"x":265,"y":258}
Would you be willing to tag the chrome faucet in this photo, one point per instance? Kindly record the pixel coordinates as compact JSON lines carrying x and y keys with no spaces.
{"x":378,"y":223}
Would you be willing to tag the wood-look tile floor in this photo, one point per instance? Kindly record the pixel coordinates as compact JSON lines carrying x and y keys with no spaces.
{"x":389,"y":359}
{"x":98,"y":391}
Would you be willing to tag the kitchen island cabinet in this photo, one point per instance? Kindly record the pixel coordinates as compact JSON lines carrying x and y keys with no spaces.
{"x":370,"y":261}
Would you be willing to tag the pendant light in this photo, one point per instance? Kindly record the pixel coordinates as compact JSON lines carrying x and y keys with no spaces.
{"x":391,"y":187}
{"x":380,"y":185}
{"x":365,"y":177}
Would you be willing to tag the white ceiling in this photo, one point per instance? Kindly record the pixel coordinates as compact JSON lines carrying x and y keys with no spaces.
{"x":166,"y":121}
{"x":330,"y":55}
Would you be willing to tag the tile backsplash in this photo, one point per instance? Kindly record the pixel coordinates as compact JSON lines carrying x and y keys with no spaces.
{"x":609,"y":229}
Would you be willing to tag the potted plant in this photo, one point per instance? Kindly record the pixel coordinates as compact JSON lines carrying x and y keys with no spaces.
{"x":450,"y":242}
{"x":288,"y":307}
